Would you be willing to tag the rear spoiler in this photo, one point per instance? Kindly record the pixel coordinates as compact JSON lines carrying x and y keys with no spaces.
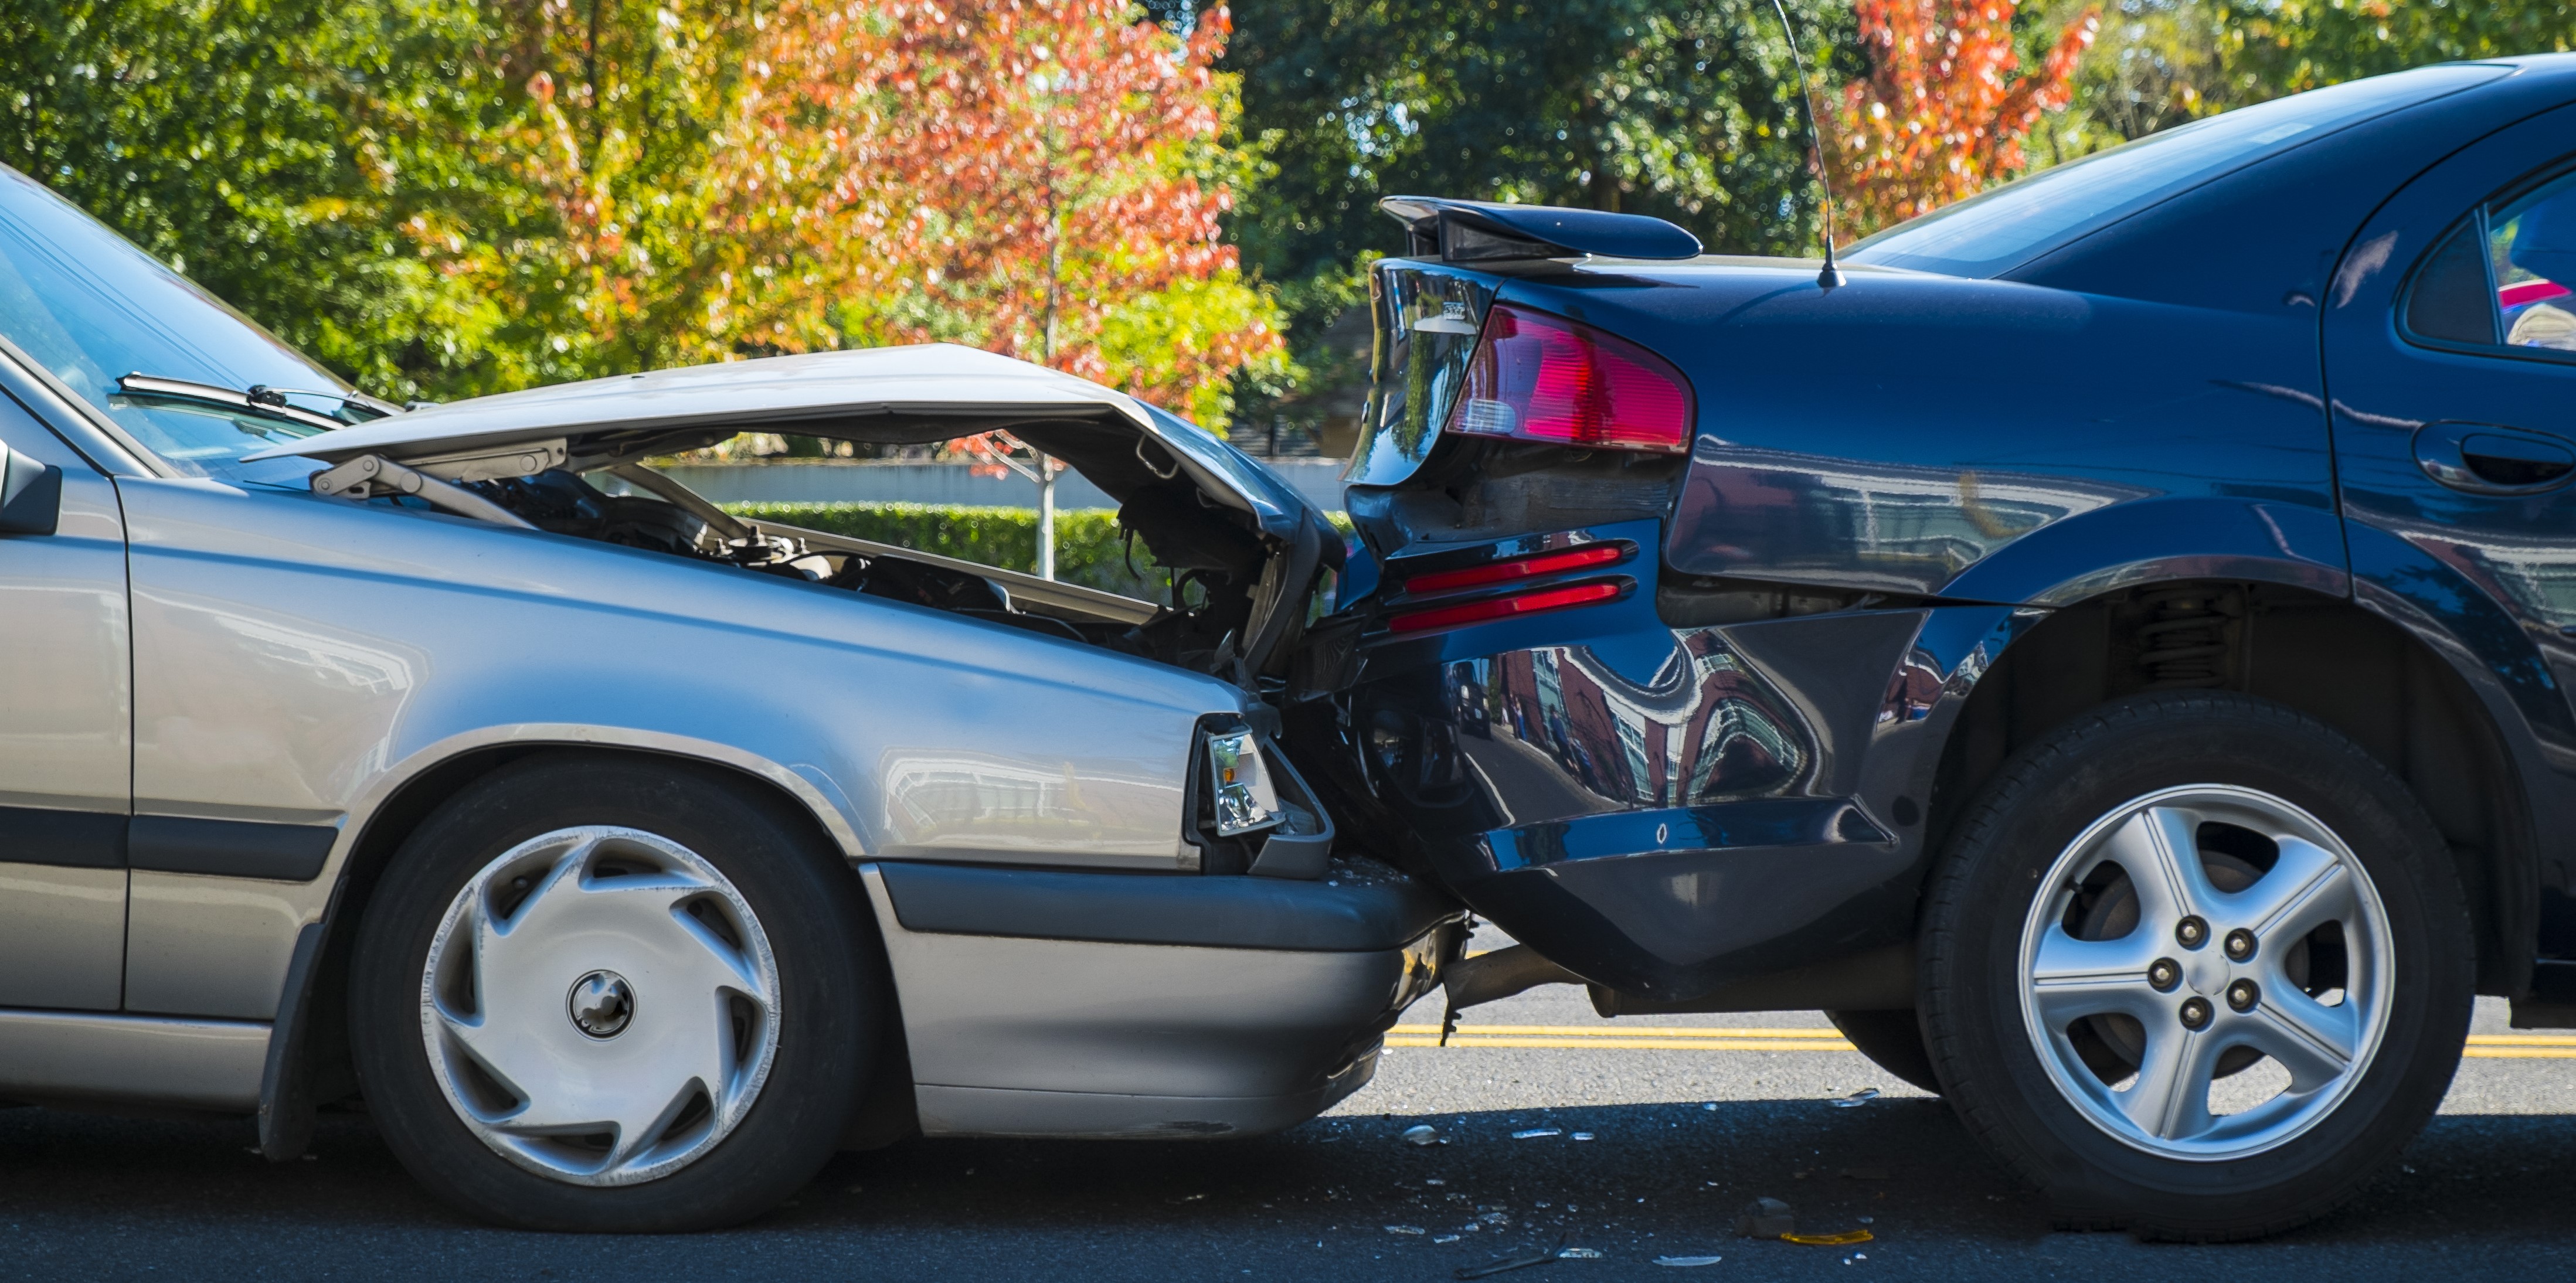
{"x":1474,"y":231}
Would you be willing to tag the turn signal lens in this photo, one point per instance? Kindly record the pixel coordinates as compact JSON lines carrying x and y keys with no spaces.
{"x":1544,"y":378}
{"x":1530,"y":567}
{"x":1477,"y":612}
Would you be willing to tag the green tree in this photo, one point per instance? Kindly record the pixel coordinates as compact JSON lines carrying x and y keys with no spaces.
{"x":1684,"y":109}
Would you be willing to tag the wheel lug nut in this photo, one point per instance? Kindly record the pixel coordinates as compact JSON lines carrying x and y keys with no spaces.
{"x":2240,"y":944}
{"x":2164,"y":974}
{"x":2191,"y":932}
{"x":2243,"y":994}
{"x":2195,"y":1013}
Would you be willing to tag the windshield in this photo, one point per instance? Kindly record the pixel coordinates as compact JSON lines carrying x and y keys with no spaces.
{"x":2013,"y":224}
{"x":88,"y":306}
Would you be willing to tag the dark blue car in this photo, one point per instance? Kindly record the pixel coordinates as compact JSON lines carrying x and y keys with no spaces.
{"x":2109,"y":648}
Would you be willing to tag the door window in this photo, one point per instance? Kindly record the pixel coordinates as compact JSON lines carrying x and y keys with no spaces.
{"x":2505,"y":278}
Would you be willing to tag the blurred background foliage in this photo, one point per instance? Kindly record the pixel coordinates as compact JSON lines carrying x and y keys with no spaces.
{"x":446,"y":197}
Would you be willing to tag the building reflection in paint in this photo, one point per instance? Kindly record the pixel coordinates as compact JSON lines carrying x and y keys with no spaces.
{"x":1556,"y":732}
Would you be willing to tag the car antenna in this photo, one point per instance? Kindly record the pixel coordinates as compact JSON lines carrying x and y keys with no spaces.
{"x":1831,"y":276}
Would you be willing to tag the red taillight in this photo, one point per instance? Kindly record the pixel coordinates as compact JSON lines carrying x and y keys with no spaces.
{"x":1545,"y":378}
{"x":1477,"y":612}
{"x":1530,"y":567}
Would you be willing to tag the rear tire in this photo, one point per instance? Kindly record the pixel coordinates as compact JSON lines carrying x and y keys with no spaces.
{"x":1893,"y":1041}
{"x":2170,"y":891}
{"x":606,"y":994}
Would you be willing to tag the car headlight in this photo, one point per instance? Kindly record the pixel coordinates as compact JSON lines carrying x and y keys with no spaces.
{"x":1246,"y":800}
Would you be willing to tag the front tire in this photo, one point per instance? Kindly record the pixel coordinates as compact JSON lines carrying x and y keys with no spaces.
{"x":614,"y":995}
{"x":2196,"y":965}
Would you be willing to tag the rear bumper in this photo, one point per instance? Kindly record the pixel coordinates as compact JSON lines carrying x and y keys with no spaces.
{"x":1045,"y":1003}
{"x":1728,"y":814}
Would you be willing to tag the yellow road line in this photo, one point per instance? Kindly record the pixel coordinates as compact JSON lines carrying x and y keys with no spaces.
{"x":1634,"y":1044}
{"x":1714,"y":1038}
{"x":1620,"y":1031}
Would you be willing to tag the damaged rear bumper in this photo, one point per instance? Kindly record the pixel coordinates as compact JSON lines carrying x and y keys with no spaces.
{"x":1076,"y":1004}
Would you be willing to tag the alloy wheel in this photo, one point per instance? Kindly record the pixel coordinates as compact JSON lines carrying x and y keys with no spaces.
{"x":2192,"y":935}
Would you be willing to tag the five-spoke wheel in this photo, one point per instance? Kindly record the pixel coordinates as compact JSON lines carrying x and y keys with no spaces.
{"x":2195,"y":964}
{"x":2188,"y":936}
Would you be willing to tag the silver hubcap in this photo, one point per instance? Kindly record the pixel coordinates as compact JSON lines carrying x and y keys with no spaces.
{"x":600,"y":1005}
{"x":2206,"y":972}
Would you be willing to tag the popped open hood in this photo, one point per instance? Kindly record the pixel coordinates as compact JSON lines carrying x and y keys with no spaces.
{"x":894,"y":396}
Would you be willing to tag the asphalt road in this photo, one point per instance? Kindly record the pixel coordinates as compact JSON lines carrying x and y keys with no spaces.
{"x":1679,"y":1140}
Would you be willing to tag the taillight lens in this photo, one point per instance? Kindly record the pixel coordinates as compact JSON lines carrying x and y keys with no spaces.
{"x":1517,"y":568}
{"x":1528,"y":603}
{"x":1544,"y":378}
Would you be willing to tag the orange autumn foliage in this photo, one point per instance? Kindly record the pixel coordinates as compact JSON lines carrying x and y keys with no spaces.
{"x":1042,"y":178}
{"x":1942,"y":113}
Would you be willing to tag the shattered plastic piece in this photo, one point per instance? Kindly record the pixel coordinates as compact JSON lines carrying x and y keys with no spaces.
{"x":1844,"y":1239}
{"x":1710,"y":1107}
{"x":1423,"y":1134}
{"x":1433,"y":1180}
{"x":1404,"y":1229}
{"x":1446,"y":1238}
{"x":1583,"y":1136}
{"x":1766,"y":1218}
{"x":1688,"y":1261}
{"x":1876,"y":1172}
{"x":1856,"y":1099}
{"x":1534,"y":1133}
{"x":1579,"y":1254}
{"x":1496,"y":1218}
{"x":1869,"y":1220}
{"x":1516,"y":1261}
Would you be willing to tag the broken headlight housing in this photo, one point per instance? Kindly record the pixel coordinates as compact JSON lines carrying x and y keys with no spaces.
{"x":1243,"y":797}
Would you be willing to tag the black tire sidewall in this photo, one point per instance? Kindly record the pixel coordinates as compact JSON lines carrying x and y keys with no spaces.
{"x":2046,"y":798}
{"x":831,"y":980}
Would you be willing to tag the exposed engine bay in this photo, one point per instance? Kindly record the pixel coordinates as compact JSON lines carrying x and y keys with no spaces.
{"x":1220,"y":565}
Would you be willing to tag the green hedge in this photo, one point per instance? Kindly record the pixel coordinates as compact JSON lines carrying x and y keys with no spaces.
{"x":1089,"y":547}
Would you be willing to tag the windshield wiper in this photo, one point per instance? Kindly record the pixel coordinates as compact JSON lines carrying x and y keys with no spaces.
{"x":259,"y":399}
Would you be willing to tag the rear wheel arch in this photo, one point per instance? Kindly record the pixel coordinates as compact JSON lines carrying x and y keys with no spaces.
{"x":318,"y":1067}
{"x":2349,"y":667}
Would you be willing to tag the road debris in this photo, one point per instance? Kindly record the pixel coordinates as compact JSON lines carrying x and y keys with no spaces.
{"x":1844,"y":1239}
{"x":1423,"y":1134}
{"x":1766,"y":1218}
{"x":1405,"y":1229}
{"x":1535,"y":1133}
{"x":1856,"y":1099}
{"x":1688,"y":1262}
{"x":1579,"y":1254}
{"x":1582,"y":1136}
{"x":1446,"y":1238}
{"x":1516,"y":1261}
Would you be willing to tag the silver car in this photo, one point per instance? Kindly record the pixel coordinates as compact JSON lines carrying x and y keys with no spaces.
{"x":626,"y":858}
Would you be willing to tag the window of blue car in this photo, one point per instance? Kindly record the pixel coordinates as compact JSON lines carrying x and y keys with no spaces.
{"x":2505,"y":278}
{"x":89,"y":307}
{"x":2002,"y":229}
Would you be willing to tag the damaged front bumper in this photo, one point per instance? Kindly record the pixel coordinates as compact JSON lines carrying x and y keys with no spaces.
{"x":1075,"y":1004}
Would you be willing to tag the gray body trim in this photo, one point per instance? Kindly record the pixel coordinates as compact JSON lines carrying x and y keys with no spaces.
{"x":138,"y":1060}
{"x":1020,"y":1036}
{"x":1232,"y":912}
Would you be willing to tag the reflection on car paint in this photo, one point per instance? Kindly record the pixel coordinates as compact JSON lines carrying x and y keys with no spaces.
{"x":1704,"y":729}
{"x":1838,"y":521}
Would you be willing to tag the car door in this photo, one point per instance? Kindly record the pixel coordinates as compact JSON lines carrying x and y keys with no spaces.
{"x":2450,"y":341}
{"x":66,"y":719}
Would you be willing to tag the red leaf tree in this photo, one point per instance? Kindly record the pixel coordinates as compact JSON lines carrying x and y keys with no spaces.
{"x":1942,"y":113}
